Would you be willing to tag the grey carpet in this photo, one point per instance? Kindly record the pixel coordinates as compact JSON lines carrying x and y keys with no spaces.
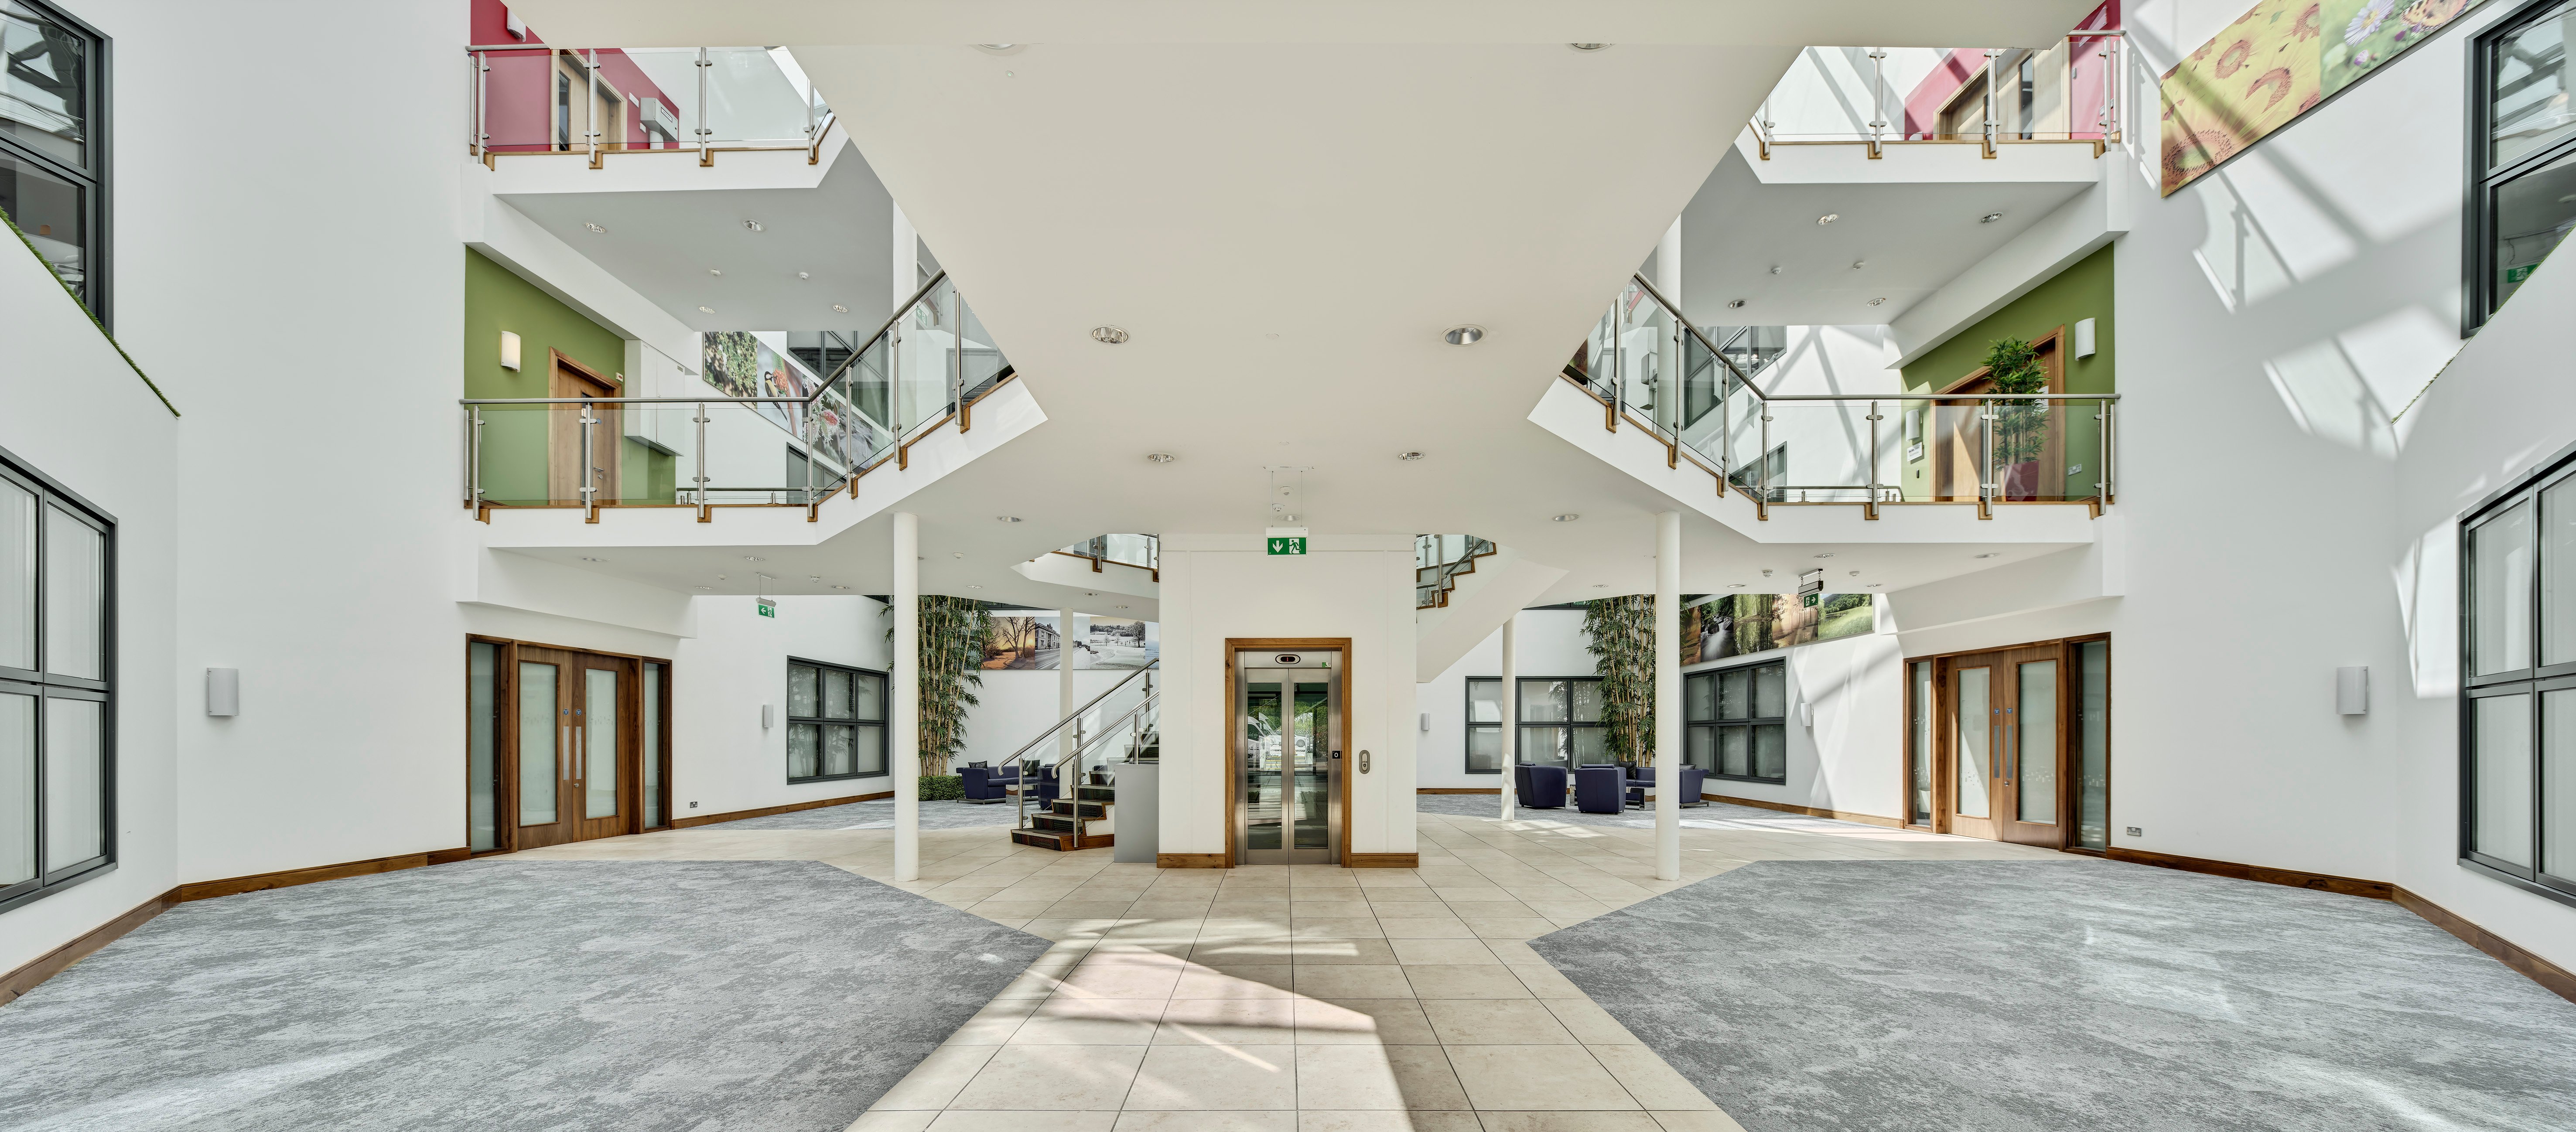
{"x":879,"y":814}
{"x":486,"y":995}
{"x":1714,"y":815}
{"x":2050,"y":995}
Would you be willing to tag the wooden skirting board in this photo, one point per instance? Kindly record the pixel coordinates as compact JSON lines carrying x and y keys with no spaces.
{"x":2555,"y":978}
{"x":2326,"y":882}
{"x":46,"y":966}
{"x":1386,"y":860}
{"x":1810,"y":811}
{"x":287,"y":878}
{"x":1189,"y":861}
{"x":792,"y":807}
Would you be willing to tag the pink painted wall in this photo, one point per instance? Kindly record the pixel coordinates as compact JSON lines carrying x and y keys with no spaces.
{"x":519,"y":90}
{"x":1923,"y":105}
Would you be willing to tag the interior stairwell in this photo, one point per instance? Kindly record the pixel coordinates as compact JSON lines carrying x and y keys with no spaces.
{"x":1086,"y":748}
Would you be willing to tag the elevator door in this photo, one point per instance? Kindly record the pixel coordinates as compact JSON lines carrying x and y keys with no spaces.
{"x":1288,"y":715}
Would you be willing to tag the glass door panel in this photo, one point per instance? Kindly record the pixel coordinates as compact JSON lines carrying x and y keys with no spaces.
{"x":1313,"y":804}
{"x":2035,"y":744}
{"x":1262,"y":765}
{"x":599,"y":744}
{"x":1975,"y":728}
{"x":539,"y":720}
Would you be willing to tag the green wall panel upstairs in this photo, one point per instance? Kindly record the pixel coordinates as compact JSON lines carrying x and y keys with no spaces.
{"x":514,"y":439}
{"x":2081,"y":291}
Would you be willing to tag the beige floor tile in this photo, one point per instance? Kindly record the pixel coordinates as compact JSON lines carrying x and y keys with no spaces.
{"x":1272,"y":981}
{"x":1509,"y":927}
{"x":938,"y":1079}
{"x":1239,"y":952}
{"x":1352,"y":981}
{"x":1053,"y":1078}
{"x":1536,"y":1078}
{"x":1080,"y":909}
{"x":995,"y":1023}
{"x":1121,"y":981}
{"x":1567,"y":909}
{"x":1708,"y":1120}
{"x":1204,"y":1122}
{"x":1373,"y":952}
{"x":1157,"y":905}
{"x":1304,"y":909}
{"x":1344,"y":1121}
{"x":1568,"y":1122}
{"x":892,"y":1121}
{"x":998,"y":909}
{"x":1074,"y":1021}
{"x":1443,"y":927}
{"x":1589,"y":1024}
{"x":1201,"y":1078}
{"x":965,"y":1121}
{"x":1376,"y":1077}
{"x":1366,"y":1021}
{"x":1336,"y":927}
{"x":1547,"y":982}
{"x":1653,"y":1083}
{"x":1492,"y":980}
{"x":1494,"y":1022}
{"x":1228,"y":1022}
{"x":1446,"y":952}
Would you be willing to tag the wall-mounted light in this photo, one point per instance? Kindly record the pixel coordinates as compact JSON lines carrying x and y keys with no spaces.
{"x":2083,"y":337}
{"x":765,"y":717}
{"x":223,"y":691}
{"x":509,"y":350}
{"x":2352,"y":690}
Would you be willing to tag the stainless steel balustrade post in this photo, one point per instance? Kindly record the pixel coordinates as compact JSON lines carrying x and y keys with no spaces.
{"x":1762,"y":469}
{"x":701,"y":420}
{"x":2111,"y":87}
{"x":2110,"y":449}
{"x":474,"y":454}
{"x":1986,"y":458}
{"x":589,"y":474}
{"x":2102,"y":451}
{"x":482,"y":85}
{"x":1725,"y":431}
{"x":1068,"y":774}
{"x":590,"y":110}
{"x":1877,"y":99}
{"x":705,"y":156}
{"x":1993,"y":101}
{"x":1873,"y":455}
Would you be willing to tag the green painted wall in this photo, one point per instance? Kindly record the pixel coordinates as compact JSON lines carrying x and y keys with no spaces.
{"x":2081,"y":291}
{"x":514,"y":439}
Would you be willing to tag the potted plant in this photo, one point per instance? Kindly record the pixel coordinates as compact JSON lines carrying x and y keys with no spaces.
{"x":2021,"y":427}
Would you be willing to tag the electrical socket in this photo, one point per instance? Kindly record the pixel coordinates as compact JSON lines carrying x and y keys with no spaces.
{"x":2133,"y":830}
{"x":693,"y":805}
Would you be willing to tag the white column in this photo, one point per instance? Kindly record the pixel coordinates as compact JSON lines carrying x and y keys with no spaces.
{"x":1511,"y":710}
{"x":1070,"y":628}
{"x":1668,"y":695}
{"x":907,"y":260}
{"x":1668,"y":279}
{"x":905,"y":721}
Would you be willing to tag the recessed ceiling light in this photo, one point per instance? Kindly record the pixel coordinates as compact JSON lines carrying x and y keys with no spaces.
{"x":714,"y":272}
{"x":839,"y":309}
{"x":974,"y":587}
{"x":1587,"y":46}
{"x":706,"y":587}
{"x":1871,"y":586}
{"x":1990,"y":218}
{"x":1859,"y":263}
{"x":804,"y":275}
{"x":753,"y":558}
{"x":1408,"y":455}
{"x":1089,"y":593}
{"x":1007,"y":518}
{"x":840,"y":587}
{"x":1877,"y":301}
{"x":1735,"y":304}
{"x":592,"y":227}
{"x":753,"y":225}
{"x":1161,"y":457}
{"x":1600,"y":585}
{"x":1000,"y":49}
{"x":1829,"y":218}
{"x":1986,"y":556}
{"x":1119,"y":607}
{"x":1108,"y":335}
{"x":587,"y":558}
{"x":957,"y":554}
{"x":720,"y":577}
{"x":1735,"y":585}
{"x":1567,"y":517}
{"x":1827,"y":554}
{"x":1465,"y":334}
{"x":1775,"y":269}
{"x":1855,"y":573}
{"x":813,"y":577}
{"x":706,"y":310}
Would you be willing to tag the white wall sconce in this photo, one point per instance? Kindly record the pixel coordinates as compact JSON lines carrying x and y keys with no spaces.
{"x":2083,"y":337}
{"x":1426,"y":723}
{"x":2352,"y":690}
{"x":1806,"y":714}
{"x":223,"y":691}
{"x":509,"y":350}
{"x":765,"y":717}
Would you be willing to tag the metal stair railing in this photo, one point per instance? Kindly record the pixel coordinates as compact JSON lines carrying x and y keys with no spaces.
{"x":1084,"y":726}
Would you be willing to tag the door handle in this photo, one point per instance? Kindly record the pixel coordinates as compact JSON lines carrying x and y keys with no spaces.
{"x":580,"y":758}
{"x":568,"y":747}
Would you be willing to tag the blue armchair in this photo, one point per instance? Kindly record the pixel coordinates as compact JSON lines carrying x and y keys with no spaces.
{"x":1539,"y":787}
{"x":988,"y":784}
{"x":1597,"y":789}
{"x":1692,"y":780}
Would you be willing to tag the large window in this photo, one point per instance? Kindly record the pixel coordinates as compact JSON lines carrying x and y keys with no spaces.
{"x":1736,"y":722}
{"x":53,"y":142}
{"x":57,"y":688}
{"x":1560,"y":722}
{"x":2522,"y":154}
{"x":835,"y":722}
{"x":2518,"y":660}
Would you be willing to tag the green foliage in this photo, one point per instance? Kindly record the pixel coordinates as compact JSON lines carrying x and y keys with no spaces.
{"x":1836,"y":603}
{"x":953,"y":634}
{"x":2013,"y":365}
{"x":1620,"y":634}
{"x":942,"y":787}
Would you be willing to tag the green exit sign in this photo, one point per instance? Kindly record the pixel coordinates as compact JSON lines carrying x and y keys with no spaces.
{"x":768,"y":608}
{"x":1288,"y":544}
{"x":1807,"y":600}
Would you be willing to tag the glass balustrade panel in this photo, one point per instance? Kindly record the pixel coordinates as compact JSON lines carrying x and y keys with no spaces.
{"x":1895,"y":94}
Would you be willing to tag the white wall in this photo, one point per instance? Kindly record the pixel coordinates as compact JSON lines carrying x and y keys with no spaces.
{"x":1217,"y":587}
{"x":722,"y":760}
{"x":76,"y":414}
{"x":1013,"y":706}
{"x":1551,"y":644}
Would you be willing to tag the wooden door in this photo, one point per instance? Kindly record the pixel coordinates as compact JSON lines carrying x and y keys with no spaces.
{"x":577,"y":751}
{"x":2005,"y":754}
{"x":566,"y":470}
{"x":1958,"y":442}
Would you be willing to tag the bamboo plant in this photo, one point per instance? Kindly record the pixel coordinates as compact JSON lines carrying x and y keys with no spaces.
{"x":1620,"y":634}
{"x":954,"y":631}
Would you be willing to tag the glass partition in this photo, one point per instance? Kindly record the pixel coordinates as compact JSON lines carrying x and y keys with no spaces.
{"x":544,"y":98}
{"x":2066,"y":91}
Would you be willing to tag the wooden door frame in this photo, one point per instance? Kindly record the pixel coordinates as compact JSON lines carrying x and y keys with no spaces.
{"x":505,"y":744}
{"x":1234,"y":753}
{"x":558,"y":364}
{"x":1945,"y":730}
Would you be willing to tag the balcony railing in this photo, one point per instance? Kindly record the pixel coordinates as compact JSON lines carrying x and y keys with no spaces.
{"x":1438,"y":561}
{"x":795,"y":442}
{"x":1651,"y":368}
{"x":595,"y":101}
{"x":1144,"y":552}
{"x":1990,"y":97}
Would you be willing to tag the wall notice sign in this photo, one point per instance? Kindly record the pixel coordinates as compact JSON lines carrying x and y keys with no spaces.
{"x":768,"y":608}
{"x":1286,"y":540}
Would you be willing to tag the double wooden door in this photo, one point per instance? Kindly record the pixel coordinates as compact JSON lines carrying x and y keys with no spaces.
{"x":2005,"y":753}
{"x":579,"y":749}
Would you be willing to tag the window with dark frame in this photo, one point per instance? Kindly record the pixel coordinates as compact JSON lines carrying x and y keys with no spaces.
{"x":1560,"y":722}
{"x":2518,"y":701}
{"x":1736,"y":722}
{"x":2522,"y":154}
{"x":53,"y":143}
{"x":835,"y":722}
{"x":57,"y":688}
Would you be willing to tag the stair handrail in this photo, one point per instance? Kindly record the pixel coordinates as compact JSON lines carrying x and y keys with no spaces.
{"x":1069,"y":787}
{"x":1076,"y":714}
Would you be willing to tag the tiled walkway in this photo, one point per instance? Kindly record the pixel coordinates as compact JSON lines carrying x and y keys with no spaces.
{"x":1304,"y":998}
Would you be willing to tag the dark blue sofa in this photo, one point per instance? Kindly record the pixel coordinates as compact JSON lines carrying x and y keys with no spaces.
{"x":1539,"y":787}
{"x":988,"y":783}
{"x":1598,"y":789}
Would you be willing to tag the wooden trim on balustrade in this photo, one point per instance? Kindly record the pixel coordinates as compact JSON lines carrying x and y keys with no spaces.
{"x":766,"y":811}
{"x":54,"y":962}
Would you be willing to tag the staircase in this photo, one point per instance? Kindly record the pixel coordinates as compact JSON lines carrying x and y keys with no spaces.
{"x":1055,"y":828}
{"x":1439,"y":561}
{"x":1121,"y":721}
